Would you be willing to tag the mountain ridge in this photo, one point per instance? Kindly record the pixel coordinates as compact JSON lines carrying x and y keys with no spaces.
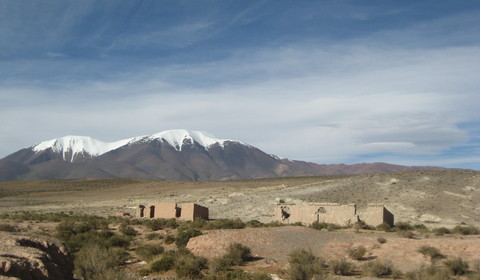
{"x":168,"y":155}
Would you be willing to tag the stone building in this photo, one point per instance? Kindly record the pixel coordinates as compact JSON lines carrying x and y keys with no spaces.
{"x":317,"y":212}
{"x":377,"y":214}
{"x":333,"y":213}
{"x":170,"y":210}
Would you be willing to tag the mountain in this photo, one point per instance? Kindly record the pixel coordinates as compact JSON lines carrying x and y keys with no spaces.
{"x":168,"y":155}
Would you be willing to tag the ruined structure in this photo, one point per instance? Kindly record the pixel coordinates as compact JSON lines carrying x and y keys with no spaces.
{"x":317,"y":212}
{"x":377,"y":214}
{"x":170,"y":210}
{"x":333,"y":213}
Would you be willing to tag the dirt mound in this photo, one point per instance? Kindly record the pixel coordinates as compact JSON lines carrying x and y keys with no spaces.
{"x":274,"y":244}
{"x":33,"y":257}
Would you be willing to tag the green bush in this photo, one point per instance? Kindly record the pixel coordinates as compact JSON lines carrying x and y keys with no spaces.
{"x":154,"y":236}
{"x":118,"y":241}
{"x":441,"y":231}
{"x":218,"y":265}
{"x":421,"y":228}
{"x":95,"y":262}
{"x":148,"y":251}
{"x":189,"y":266}
{"x":303,"y":265}
{"x":406,"y":234}
{"x":254,"y":224}
{"x":403,"y":226}
{"x":237,"y":254}
{"x":128,"y":230}
{"x":341,"y":267}
{"x":8,"y":228}
{"x":384,"y":227}
{"x":184,"y":235}
{"x":169,"y":239}
{"x":382,"y":240}
{"x":357,"y":253}
{"x":162,"y":263}
{"x":430,"y":272}
{"x":456,"y":266}
{"x":430,"y":252}
{"x":225,"y":224}
{"x":466,"y":230}
{"x":377,"y":269}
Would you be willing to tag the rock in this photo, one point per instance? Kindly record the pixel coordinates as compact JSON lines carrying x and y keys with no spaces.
{"x":30,"y":257}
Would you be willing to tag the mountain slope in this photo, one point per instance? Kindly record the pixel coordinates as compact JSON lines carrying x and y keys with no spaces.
{"x":168,"y":155}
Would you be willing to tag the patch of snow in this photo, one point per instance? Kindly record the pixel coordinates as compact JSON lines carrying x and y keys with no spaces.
{"x":74,"y":145}
{"x":78,"y":145}
{"x":179,"y":137}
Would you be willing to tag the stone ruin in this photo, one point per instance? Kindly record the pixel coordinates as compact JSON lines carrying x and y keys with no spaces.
{"x":170,"y":210}
{"x":334,"y":213}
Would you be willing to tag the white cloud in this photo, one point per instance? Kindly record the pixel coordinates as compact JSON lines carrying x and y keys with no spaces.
{"x":324,"y":105}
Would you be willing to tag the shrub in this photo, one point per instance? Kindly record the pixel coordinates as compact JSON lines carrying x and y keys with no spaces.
{"x":225,"y":224}
{"x":153,"y":236}
{"x":318,"y":226}
{"x":156,"y":224}
{"x":406,"y":234}
{"x":357,"y":253}
{"x":384,"y":227}
{"x":128,"y":230}
{"x":8,"y":228}
{"x":341,"y":267}
{"x":421,"y":228}
{"x":403,"y":226}
{"x":189,"y":266}
{"x":118,"y":241}
{"x":382,"y":240}
{"x":466,"y":230}
{"x":430,"y":252}
{"x":441,"y":231}
{"x":254,"y":224}
{"x":237,"y":254}
{"x":169,"y":239}
{"x":162,"y":263}
{"x":96,"y":262}
{"x":148,"y":251}
{"x":377,"y":269}
{"x":456,"y":266}
{"x":303,"y":265}
{"x":218,"y":265}
{"x":184,"y":235}
{"x":430,"y":272}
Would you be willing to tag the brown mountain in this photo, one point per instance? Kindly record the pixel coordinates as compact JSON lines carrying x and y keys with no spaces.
{"x":169,"y":155}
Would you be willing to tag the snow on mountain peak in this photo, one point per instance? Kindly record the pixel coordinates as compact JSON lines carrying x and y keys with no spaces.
{"x":78,"y":145}
{"x":176,"y":138}
{"x":73,"y":145}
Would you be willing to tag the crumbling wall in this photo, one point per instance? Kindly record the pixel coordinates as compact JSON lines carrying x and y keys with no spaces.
{"x":170,"y":210}
{"x":317,"y":212}
{"x":192,"y":211}
{"x":376,"y":214}
{"x":165,"y":210}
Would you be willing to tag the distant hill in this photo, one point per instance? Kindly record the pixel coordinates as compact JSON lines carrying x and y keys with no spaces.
{"x":168,"y":155}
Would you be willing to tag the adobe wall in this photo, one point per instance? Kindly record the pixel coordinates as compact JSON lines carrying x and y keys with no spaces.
{"x":377,"y":214}
{"x":192,"y":211}
{"x":322,"y":212}
{"x":170,"y":210}
{"x":165,"y":210}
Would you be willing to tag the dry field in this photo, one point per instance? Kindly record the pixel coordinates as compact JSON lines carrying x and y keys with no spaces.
{"x":435,"y":199}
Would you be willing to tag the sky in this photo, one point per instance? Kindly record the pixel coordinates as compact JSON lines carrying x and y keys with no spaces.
{"x":328,"y":81}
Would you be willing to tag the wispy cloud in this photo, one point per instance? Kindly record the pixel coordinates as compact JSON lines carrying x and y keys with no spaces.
{"x":374,"y":97}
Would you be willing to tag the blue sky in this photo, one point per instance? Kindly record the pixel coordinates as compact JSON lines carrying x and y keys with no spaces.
{"x":322,"y":81}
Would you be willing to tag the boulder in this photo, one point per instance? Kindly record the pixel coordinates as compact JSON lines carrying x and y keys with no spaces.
{"x":30,"y":257}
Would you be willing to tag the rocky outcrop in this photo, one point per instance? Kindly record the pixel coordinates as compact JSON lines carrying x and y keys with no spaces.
{"x":30,"y":257}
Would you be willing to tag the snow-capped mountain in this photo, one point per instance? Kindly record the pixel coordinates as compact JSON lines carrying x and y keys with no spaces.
{"x":168,"y":155}
{"x":78,"y":147}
